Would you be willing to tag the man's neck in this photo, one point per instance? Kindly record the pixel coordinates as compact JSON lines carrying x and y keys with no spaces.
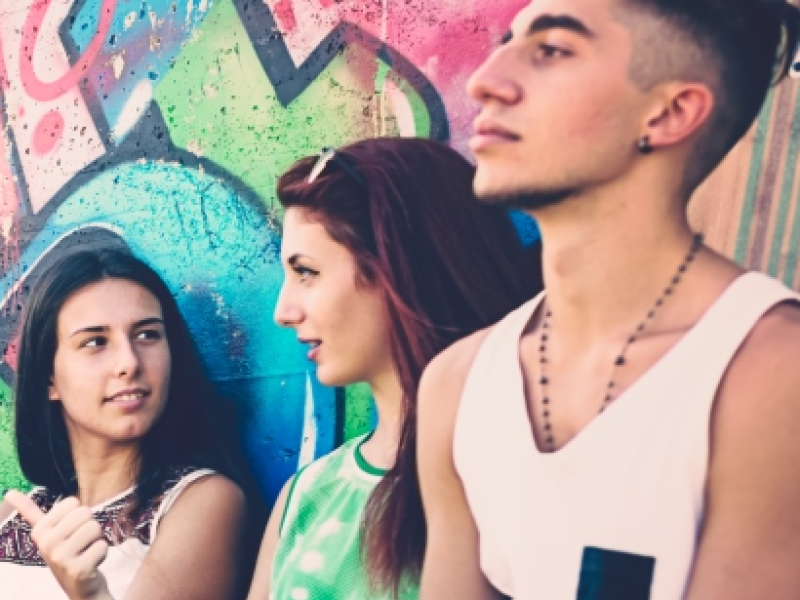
{"x":607,"y":259}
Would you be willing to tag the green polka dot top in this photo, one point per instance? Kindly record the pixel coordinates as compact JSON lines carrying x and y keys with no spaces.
{"x":317,"y":557}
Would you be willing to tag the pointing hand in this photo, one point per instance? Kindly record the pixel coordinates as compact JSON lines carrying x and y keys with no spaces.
{"x":71,"y":543}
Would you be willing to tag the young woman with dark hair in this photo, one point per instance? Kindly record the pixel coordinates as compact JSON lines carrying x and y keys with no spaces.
{"x":388,"y":260}
{"x":114,"y":423}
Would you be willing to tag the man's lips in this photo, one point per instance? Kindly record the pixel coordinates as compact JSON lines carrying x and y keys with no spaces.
{"x":487,"y":134}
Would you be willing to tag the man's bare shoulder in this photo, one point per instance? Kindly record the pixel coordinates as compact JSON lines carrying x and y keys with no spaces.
{"x":450,"y":367}
{"x":759,"y":396}
{"x":751,"y":523}
{"x":443,"y":381}
{"x":770,"y":355}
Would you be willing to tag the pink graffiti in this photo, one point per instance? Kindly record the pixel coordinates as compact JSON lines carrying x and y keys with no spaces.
{"x":43,"y":90}
{"x":9,"y":201}
{"x":284,"y":14}
{"x":12,"y":352}
{"x":48,"y":132}
{"x":4,"y":81}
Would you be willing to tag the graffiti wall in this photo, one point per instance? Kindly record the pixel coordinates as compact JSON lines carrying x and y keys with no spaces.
{"x":161,"y":125}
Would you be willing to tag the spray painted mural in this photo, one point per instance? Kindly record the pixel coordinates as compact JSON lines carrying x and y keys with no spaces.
{"x":162,"y":125}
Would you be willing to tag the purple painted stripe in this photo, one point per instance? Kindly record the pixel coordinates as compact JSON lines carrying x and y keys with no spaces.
{"x":781,"y":131}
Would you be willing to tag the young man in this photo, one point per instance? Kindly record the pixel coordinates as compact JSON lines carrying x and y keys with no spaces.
{"x":635,"y":433}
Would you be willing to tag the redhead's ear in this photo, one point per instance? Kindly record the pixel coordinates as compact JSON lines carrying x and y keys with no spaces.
{"x":681,"y":110}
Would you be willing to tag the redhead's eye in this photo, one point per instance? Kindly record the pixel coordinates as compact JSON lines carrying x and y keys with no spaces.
{"x":304,"y":272}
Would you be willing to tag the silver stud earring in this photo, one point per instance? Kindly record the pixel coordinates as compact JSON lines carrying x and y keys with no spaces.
{"x":644,"y":145}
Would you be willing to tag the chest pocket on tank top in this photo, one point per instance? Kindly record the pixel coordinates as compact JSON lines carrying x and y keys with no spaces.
{"x":611,"y":575}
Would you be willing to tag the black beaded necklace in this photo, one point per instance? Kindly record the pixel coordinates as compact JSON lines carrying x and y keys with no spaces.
{"x":697,"y":243}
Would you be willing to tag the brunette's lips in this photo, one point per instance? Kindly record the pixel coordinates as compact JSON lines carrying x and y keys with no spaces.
{"x":488,"y":133}
{"x":129,"y":395}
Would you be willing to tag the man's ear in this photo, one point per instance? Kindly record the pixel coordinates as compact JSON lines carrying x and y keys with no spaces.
{"x":681,"y":110}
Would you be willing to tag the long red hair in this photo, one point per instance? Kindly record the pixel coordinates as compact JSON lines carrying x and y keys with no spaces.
{"x":447,"y":266}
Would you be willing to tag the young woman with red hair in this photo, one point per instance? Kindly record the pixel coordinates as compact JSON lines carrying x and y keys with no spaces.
{"x":388,"y":260}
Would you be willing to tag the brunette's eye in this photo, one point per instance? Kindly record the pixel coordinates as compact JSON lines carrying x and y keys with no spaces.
{"x":150,"y":334}
{"x":94,"y":342}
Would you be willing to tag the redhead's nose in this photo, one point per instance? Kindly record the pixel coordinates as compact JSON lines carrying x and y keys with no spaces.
{"x":287,"y":312}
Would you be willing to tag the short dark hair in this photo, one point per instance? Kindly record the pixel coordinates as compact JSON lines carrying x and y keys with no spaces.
{"x":744,"y":46}
{"x":188,"y":433}
{"x":447,"y":266}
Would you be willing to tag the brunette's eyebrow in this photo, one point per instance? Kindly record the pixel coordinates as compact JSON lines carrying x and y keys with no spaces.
{"x":93,"y":329}
{"x":548,"y":22}
{"x":148,"y":321}
{"x":104,"y":328}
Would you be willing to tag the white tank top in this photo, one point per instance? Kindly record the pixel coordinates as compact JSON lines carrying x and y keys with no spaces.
{"x":615,"y":514}
{"x":23,"y":574}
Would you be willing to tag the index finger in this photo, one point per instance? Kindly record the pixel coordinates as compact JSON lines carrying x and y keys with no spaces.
{"x":26,"y":507}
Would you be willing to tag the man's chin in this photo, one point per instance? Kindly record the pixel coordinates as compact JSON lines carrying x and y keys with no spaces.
{"x":522,"y":199}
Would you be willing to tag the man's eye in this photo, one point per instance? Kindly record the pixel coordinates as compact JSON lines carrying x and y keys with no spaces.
{"x":547,"y":52}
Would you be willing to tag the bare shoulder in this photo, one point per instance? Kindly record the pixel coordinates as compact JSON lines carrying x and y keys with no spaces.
{"x":752,"y":525}
{"x":439,"y":397}
{"x":5,"y":510}
{"x":445,"y":376}
{"x":767,"y":362}
{"x":213,"y":496}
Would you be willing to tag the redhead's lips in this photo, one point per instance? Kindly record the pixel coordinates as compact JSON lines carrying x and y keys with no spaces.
{"x":488,"y":134}
{"x":314,"y":347}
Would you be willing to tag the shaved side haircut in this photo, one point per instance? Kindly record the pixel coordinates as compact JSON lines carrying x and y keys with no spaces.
{"x":739,"y":48}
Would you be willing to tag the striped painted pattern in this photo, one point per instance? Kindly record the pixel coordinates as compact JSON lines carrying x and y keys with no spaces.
{"x":748,"y":209}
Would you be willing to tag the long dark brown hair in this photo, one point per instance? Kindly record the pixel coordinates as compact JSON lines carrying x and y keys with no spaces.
{"x":193,"y":430}
{"x":447,"y":266}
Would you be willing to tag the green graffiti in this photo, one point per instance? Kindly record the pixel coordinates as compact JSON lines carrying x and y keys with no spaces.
{"x":221,"y":105}
{"x":10,"y":473}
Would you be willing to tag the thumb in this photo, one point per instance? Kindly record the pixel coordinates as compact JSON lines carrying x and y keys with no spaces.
{"x":26,"y":507}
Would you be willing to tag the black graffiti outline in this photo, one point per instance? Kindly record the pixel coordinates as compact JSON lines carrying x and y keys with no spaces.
{"x":290,"y":81}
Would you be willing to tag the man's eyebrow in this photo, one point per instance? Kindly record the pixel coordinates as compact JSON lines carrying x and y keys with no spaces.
{"x":547,"y":22}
